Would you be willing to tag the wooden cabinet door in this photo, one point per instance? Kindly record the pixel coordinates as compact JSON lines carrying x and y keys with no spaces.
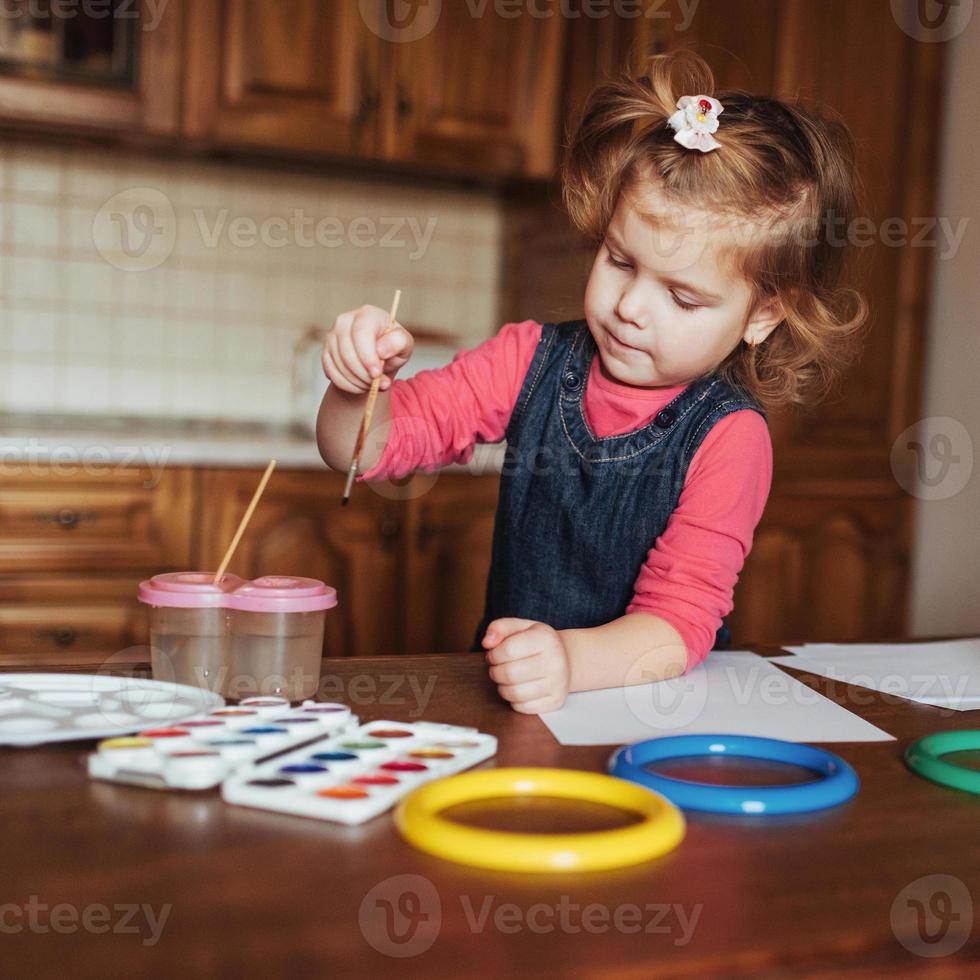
{"x":824,"y":569}
{"x":838,"y":458}
{"x":448,"y":537}
{"x":822,"y":60}
{"x":299,"y":528}
{"x":54,"y":618}
{"x":74,"y":546}
{"x":298,"y":75}
{"x":600,"y":47}
{"x":476,"y":94}
{"x":114,"y":517}
{"x":147,"y":106}
{"x":738,"y":38}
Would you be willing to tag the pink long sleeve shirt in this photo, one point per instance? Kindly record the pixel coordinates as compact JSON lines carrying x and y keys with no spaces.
{"x":690,"y":571}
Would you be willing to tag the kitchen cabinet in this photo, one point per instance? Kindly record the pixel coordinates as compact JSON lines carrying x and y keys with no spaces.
{"x":56,"y":520}
{"x":46,"y":618}
{"x":409,"y":559}
{"x":73,"y":548}
{"x":448,"y":536}
{"x":477,"y":95}
{"x":110,"y":68}
{"x":299,"y":528}
{"x":409,"y":562}
{"x":599,"y":47}
{"x":296,"y":75}
{"x":328,"y":77}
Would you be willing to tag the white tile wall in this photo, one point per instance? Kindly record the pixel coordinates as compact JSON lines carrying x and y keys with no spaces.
{"x":137,"y":286}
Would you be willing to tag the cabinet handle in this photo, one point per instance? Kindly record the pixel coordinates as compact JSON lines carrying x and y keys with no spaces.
{"x":63,"y":636}
{"x":67,"y":518}
{"x":367,"y":106}
{"x":403,"y":104}
{"x":425,"y":531}
{"x":389,"y":528}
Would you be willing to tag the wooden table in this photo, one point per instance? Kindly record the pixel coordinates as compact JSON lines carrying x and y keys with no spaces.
{"x":248,"y":893}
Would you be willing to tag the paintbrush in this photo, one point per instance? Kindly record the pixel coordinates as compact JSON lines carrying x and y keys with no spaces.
{"x":368,"y":411}
{"x":259,"y":490}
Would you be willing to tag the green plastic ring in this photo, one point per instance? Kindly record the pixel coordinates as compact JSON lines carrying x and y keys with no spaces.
{"x":924,"y":757}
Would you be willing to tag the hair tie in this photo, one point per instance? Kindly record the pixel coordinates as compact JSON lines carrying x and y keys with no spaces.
{"x":694,"y":122}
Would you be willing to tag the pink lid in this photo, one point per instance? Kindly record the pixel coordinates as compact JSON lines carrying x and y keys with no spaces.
{"x":271,"y":593}
{"x":188,"y":590}
{"x":283,"y":593}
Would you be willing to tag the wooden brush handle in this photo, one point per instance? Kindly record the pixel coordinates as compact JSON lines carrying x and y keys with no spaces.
{"x":375,"y":387}
{"x":256,"y":497}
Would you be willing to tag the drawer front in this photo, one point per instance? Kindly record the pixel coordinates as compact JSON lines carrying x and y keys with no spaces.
{"x":128,"y":518}
{"x":53,"y":618}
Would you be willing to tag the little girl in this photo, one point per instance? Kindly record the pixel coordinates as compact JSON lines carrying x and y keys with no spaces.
{"x":638,"y":453}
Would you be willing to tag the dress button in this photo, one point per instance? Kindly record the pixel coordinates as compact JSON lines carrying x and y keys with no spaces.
{"x":666,"y":418}
{"x":572,"y":381}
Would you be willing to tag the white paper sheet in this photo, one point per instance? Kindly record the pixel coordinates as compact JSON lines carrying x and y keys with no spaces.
{"x":944,"y":673}
{"x":733,"y":692}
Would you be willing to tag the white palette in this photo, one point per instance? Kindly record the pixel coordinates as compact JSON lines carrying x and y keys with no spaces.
{"x":42,"y":707}
{"x":199,"y":752}
{"x":355,"y":776}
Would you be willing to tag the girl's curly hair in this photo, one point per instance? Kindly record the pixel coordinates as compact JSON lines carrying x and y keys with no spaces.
{"x":785,"y":171}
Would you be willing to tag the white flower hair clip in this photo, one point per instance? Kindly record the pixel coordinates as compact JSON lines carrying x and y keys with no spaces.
{"x":694,"y":122}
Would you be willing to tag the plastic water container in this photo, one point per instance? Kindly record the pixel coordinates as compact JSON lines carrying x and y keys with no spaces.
{"x":277,"y":635}
{"x":235,"y":637}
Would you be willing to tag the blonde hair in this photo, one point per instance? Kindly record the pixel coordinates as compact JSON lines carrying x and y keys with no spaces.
{"x":779,"y":167}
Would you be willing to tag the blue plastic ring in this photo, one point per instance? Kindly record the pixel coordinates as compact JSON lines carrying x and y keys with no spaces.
{"x":838,"y":784}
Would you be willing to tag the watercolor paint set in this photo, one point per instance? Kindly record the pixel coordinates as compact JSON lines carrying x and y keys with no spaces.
{"x":352,"y":777}
{"x":200,"y":752}
{"x":37,"y":708}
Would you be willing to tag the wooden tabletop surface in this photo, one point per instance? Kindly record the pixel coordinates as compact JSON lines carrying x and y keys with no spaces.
{"x":105,"y":880}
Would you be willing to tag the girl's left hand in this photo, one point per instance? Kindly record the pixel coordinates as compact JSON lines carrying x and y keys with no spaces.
{"x":528,"y":663}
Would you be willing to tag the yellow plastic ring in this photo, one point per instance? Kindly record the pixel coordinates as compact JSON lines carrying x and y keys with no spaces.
{"x":419,"y":822}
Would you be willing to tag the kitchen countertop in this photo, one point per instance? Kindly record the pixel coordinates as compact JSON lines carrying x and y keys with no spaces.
{"x":130,"y":441}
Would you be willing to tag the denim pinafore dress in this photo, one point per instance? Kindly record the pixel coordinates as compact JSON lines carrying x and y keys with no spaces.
{"x":576,"y":514}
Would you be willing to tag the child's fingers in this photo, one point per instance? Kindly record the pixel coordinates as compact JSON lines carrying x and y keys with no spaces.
{"x":517,"y":671}
{"x":395,"y":348}
{"x":538,"y":706}
{"x":364,"y":332}
{"x":528,"y":691}
{"x":342,"y":323}
{"x":345,"y":345}
{"x":515,"y":645}
{"x":335,"y":370}
{"x":518,"y":646}
{"x":500,"y":629}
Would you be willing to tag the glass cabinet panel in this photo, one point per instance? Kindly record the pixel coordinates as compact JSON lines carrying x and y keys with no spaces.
{"x":86,"y":41}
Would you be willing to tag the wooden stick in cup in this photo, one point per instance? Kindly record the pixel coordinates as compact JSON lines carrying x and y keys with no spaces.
{"x":368,"y":411}
{"x":259,"y":490}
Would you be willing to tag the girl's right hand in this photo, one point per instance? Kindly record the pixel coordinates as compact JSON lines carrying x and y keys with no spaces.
{"x":355,"y":353}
